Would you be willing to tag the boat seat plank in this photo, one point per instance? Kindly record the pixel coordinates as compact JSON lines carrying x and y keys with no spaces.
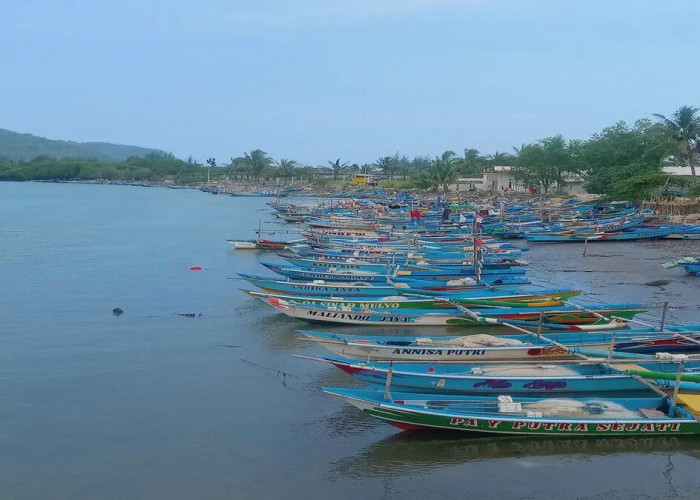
{"x":652,"y":413}
{"x":691,"y":401}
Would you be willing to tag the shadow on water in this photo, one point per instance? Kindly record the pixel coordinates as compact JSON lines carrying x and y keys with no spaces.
{"x":425,"y":451}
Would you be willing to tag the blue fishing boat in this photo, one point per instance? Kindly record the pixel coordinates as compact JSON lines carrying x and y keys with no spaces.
{"x":639,"y":343}
{"x":374,"y":277}
{"x":598,"y":237}
{"x":543,"y":416}
{"x":563,"y":317}
{"x":321,"y":287}
{"x":513,"y":378}
{"x":693,"y":269}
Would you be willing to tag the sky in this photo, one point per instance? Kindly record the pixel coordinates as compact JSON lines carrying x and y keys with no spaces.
{"x":314,"y":81}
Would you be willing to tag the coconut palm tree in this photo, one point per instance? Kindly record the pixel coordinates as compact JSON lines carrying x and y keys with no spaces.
{"x":257,"y":162}
{"x":388,"y":165}
{"x":684,"y":128}
{"x":286,"y":168}
{"x":441,"y":173}
{"x":337,"y":167}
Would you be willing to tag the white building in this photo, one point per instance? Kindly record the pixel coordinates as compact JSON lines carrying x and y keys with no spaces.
{"x":501,"y":179}
{"x":677,"y":170}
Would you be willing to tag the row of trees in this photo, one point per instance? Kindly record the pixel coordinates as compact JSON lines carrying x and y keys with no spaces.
{"x":621,"y":159}
{"x":153,"y":167}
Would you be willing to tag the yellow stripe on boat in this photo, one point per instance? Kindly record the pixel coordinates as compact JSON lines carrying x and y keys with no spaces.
{"x":628,"y":367}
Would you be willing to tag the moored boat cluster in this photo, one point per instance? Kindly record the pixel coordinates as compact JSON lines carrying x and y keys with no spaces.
{"x":541,"y":365}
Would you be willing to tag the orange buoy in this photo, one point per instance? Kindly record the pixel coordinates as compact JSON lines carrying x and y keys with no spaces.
{"x":196,"y":268}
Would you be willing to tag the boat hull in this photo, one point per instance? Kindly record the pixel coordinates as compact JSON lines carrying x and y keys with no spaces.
{"x":410,"y":414}
{"x":485,"y":379}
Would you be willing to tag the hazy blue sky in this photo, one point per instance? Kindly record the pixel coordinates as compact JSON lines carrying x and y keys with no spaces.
{"x":314,"y":80}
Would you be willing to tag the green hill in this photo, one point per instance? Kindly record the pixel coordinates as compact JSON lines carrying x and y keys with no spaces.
{"x":15,"y":146}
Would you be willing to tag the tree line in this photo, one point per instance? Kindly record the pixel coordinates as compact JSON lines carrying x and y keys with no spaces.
{"x":622,"y":160}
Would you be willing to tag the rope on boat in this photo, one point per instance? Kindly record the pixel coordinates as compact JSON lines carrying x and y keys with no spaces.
{"x":274,"y":370}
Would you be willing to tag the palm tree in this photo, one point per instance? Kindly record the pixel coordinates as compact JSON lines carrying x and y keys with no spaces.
{"x":441,"y":173}
{"x":448,"y":156}
{"x":472,"y":163}
{"x":499,"y":159}
{"x":257,"y":161}
{"x":337,"y":167}
{"x":684,"y":128}
{"x":387,"y":164}
{"x":212,"y":163}
{"x":286,"y":168}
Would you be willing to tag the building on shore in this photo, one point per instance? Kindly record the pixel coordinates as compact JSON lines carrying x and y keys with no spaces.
{"x":676,"y":170}
{"x":502,"y":179}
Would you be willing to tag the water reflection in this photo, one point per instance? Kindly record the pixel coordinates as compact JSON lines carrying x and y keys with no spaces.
{"x":426,"y":451}
{"x":345,"y":422}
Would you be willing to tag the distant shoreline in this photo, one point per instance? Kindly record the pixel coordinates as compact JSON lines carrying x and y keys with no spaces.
{"x":239,"y":189}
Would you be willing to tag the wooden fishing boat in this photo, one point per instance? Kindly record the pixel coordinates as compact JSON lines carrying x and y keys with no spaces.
{"x":404,"y":268}
{"x":597,"y":237}
{"x":447,"y":286}
{"x":439,"y":378}
{"x":565,"y":316}
{"x":411,"y":302}
{"x":349,"y":288}
{"x":262,"y":244}
{"x":422,"y":257}
{"x":635,"y":343}
{"x":692,"y":268}
{"x":503,"y":414}
{"x":321,"y":287}
{"x":492,"y":275}
{"x":243,"y":244}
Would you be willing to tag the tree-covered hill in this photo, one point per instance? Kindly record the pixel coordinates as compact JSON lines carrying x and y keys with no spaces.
{"x":17,"y":147}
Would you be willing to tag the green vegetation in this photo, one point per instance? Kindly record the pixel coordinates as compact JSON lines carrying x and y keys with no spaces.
{"x":684,"y":131}
{"x":22,"y":147}
{"x":621,"y":161}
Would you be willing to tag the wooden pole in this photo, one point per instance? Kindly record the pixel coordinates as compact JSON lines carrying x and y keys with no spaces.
{"x":663,"y":316}
{"x":612,"y":347}
{"x":677,"y":387}
{"x":387,"y":387}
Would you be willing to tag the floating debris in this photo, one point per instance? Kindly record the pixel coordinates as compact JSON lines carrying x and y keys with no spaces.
{"x":189,"y":315}
{"x":657,"y":283}
{"x":117,"y":311}
{"x":196,"y":268}
{"x":684,"y":260}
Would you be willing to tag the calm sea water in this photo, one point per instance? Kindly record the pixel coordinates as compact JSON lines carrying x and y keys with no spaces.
{"x":151,"y":404}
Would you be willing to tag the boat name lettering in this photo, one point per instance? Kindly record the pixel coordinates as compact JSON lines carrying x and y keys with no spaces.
{"x":316,"y":287}
{"x":354,"y":277}
{"x":338,"y":315}
{"x":534,"y":425}
{"x":649,"y":427}
{"x":493,"y":384}
{"x":546,"y":385}
{"x":370,"y":305}
{"x":440,"y":352}
{"x":395,"y":319}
